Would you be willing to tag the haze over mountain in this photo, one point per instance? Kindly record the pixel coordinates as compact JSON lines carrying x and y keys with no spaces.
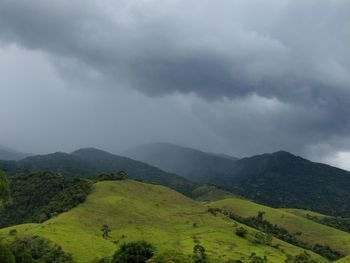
{"x":9,"y":154}
{"x":187,"y":162}
{"x":279,"y":179}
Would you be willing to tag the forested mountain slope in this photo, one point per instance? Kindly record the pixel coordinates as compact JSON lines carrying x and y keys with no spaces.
{"x":89,"y":162}
{"x":279,"y":179}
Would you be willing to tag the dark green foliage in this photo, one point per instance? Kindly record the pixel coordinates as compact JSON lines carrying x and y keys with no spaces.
{"x":38,"y":250}
{"x":134,"y":252}
{"x":4,"y":189}
{"x":199,"y":254}
{"x":171,"y":257}
{"x":101,"y":260}
{"x":301,"y":258}
{"x":284,"y":180}
{"x":105,"y":231}
{"x":13,"y":232}
{"x":261,"y":238}
{"x":6,"y":255}
{"x":340,"y":223}
{"x":39,"y":196}
{"x":327,"y":252}
{"x":253,"y":258}
{"x":121,"y":175}
{"x":241,"y":231}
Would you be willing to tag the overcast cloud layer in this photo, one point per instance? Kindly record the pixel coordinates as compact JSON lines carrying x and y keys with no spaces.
{"x":241,"y":77}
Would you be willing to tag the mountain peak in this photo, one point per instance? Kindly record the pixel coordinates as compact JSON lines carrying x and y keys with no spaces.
{"x":283,"y":153}
{"x":90,"y":151}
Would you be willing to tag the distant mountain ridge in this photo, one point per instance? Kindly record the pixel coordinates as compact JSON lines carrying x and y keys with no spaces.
{"x":10,"y":154}
{"x":278,"y":179}
{"x":89,"y":161}
{"x":282,"y":179}
{"x":190,"y":163}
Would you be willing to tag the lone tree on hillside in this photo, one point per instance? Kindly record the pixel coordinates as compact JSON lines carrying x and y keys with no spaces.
{"x":105,"y":231}
{"x":121,"y":175}
{"x":4,"y":189}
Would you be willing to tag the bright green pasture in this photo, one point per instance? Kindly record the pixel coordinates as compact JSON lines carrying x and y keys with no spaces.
{"x":303,"y":212}
{"x":154,"y":213}
{"x":311,"y":232}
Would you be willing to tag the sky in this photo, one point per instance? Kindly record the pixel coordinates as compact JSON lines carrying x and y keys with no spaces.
{"x":241,"y":77}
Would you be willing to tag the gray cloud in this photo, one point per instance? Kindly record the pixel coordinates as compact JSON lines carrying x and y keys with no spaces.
{"x":253,"y":75}
{"x":292,"y":50}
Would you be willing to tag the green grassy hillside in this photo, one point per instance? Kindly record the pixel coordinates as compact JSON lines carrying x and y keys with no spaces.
{"x":135,"y":211}
{"x":311,"y":232}
{"x":343,"y":260}
{"x":303,"y":212}
{"x":210,"y":193}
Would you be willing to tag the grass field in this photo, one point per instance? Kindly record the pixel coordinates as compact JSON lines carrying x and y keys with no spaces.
{"x":343,"y":260}
{"x":303,"y":212}
{"x":312,"y":232}
{"x":135,"y":211}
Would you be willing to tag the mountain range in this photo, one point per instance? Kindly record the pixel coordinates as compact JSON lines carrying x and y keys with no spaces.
{"x":278,"y":179}
{"x":68,"y":198}
{"x":89,"y":162}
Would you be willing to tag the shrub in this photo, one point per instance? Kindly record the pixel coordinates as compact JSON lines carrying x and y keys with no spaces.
{"x":199,"y":255}
{"x":301,"y":258}
{"x":13,"y":232}
{"x":170,"y":257}
{"x":101,"y":260}
{"x":105,"y":231}
{"x":241,"y":232}
{"x":134,"y":252}
{"x":256,"y":259}
{"x":261,"y":238}
{"x":35,"y":249}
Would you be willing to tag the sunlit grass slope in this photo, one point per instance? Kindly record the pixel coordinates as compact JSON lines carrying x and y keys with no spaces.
{"x":343,"y":260}
{"x":311,"y":232}
{"x":135,"y":211}
{"x":303,"y":212}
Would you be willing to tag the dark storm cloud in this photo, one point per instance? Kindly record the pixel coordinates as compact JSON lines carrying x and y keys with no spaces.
{"x":292,"y":50}
{"x":276,"y":73}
